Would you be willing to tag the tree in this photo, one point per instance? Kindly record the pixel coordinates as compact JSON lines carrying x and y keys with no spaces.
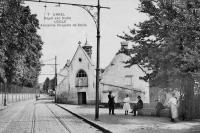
{"x":52,"y":83}
{"x":20,"y":44}
{"x":168,"y":43}
{"x":46,"y":85}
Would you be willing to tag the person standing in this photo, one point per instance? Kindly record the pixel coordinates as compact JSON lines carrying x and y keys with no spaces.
{"x":173,"y":104}
{"x":111,"y":103}
{"x":159,"y":107}
{"x":126,"y":106}
{"x":137,"y":106}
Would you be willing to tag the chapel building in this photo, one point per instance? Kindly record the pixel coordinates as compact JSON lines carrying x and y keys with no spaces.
{"x":76,"y":81}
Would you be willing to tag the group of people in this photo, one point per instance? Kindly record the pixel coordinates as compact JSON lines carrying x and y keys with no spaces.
{"x":126,"y":106}
{"x":172,"y":104}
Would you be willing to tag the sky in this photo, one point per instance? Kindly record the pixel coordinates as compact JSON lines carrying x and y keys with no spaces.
{"x":78,"y":25}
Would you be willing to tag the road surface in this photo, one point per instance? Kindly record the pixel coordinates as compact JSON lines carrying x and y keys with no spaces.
{"x":41,"y":116}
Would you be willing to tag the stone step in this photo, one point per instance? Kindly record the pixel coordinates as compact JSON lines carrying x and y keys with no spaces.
{"x":150,"y":105}
{"x":165,"y":113}
{"x":147,"y":112}
{"x":152,"y":112}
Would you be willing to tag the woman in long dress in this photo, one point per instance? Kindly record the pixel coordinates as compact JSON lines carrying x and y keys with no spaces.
{"x":126,"y":106}
{"x":173,"y":104}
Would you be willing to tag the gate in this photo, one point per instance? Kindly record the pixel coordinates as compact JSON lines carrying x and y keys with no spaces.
{"x":197,"y":106}
{"x":190,"y":97}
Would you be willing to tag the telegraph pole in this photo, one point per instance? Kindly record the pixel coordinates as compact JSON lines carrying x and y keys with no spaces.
{"x":55,"y":77}
{"x":96,"y":19}
{"x":55,"y":71}
{"x":98,"y":60}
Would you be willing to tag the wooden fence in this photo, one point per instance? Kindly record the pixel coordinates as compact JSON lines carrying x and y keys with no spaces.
{"x":196,"y":106}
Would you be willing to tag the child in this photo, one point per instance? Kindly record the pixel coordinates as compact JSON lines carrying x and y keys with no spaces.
{"x":126,"y":106}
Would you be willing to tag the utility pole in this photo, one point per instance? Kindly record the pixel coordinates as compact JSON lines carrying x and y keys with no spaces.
{"x":96,"y":19}
{"x":55,"y":74}
{"x":98,"y":60}
{"x":55,"y":77}
{"x":55,"y":71}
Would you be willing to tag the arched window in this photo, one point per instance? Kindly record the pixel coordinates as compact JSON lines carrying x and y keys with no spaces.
{"x":81,"y":73}
{"x":81,"y":79}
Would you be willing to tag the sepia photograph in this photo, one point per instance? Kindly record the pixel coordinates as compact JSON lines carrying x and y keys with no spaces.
{"x":99,"y":66}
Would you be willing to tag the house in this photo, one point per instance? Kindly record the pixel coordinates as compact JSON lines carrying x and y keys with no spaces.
{"x":123,"y":80}
{"x":76,"y":81}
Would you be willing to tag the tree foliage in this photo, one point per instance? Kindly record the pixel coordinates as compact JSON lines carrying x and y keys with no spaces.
{"x":168,"y":43}
{"x":53,"y":83}
{"x":20,"y":44}
{"x":46,"y":85}
{"x":49,"y":84}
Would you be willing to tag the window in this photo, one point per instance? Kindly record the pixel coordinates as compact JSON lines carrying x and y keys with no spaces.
{"x":81,"y":79}
{"x":81,"y":73}
{"x":80,"y":60}
{"x":128,"y":80}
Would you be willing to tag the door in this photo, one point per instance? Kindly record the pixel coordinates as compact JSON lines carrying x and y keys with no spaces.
{"x":82,"y":98}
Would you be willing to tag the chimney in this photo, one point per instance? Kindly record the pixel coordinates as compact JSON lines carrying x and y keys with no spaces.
{"x":124,"y":45}
{"x":88,"y":49}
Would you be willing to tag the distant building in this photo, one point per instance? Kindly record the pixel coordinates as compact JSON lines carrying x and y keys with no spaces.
{"x":123,"y":80}
{"x":76,"y":81}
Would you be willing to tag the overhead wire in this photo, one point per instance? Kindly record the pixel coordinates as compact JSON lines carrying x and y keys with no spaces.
{"x":47,"y":60}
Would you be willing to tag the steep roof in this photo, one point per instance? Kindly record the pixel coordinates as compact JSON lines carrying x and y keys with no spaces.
{"x":114,"y":73}
{"x":65,"y":67}
{"x":86,"y":55}
{"x":121,"y":58}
